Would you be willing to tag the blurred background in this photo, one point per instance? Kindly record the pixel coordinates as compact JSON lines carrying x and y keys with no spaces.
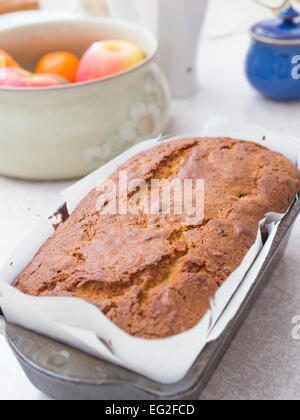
{"x":224,"y":17}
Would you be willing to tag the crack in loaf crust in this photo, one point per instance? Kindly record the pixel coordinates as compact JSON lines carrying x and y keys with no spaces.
{"x":151,"y":275}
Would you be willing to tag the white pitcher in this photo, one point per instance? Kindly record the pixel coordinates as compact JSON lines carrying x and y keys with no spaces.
{"x":177,"y":24}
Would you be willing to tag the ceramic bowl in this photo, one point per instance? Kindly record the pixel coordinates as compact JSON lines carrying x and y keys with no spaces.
{"x":68,"y":131}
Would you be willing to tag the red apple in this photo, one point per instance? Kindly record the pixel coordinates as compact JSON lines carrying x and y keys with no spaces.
{"x":15,"y":77}
{"x":106,"y":58}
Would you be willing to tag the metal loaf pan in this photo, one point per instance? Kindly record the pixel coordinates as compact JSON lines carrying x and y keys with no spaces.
{"x":67,"y":374}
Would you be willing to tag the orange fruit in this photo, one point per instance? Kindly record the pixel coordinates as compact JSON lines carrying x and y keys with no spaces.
{"x":62,"y":63}
{"x":6,"y":60}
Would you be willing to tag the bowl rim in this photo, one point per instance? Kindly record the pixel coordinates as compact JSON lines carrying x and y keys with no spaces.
{"x":54,"y":17}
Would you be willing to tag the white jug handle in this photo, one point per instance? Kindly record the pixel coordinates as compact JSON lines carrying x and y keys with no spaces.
{"x":2,"y":323}
{"x":123,"y":9}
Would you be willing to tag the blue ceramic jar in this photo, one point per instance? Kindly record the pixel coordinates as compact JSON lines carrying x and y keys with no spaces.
{"x":273,"y":62}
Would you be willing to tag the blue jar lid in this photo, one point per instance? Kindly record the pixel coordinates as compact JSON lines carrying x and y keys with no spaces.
{"x":283,"y":30}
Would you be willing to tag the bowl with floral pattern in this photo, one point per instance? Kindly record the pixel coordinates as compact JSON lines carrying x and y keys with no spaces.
{"x":68,"y":131}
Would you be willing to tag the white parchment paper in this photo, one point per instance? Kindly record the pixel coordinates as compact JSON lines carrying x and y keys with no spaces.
{"x":83,"y":326}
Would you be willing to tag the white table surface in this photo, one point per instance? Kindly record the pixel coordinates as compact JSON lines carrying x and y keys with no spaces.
{"x":263,"y":361}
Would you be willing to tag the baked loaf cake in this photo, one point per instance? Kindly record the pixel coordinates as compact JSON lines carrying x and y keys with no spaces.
{"x":152,"y":275}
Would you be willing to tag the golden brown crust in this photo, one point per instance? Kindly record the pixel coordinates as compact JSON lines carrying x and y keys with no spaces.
{"x":151,"y":275}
